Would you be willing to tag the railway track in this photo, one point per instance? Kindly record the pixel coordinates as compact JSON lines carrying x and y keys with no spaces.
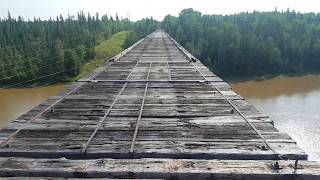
{"x":156,"y":101}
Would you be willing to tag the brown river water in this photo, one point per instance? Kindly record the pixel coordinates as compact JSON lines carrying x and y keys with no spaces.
{"x":16,"y":101}
{"x":292,"y":102}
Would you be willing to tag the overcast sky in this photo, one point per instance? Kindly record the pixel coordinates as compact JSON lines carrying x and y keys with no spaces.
{"x":137,"y":9}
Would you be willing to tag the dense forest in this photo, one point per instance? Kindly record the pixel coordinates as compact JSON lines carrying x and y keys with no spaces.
{"x":238,"y":45}
{"x":250,"y":44}
{"x":54,"y":50}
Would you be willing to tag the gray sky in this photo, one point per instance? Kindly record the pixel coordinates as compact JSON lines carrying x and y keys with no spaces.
{"x":137,"y":9}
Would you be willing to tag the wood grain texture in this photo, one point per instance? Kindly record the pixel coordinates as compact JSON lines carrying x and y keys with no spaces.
{"x":157,"y":169}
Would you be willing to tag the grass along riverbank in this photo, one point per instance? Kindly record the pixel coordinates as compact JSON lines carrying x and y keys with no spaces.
{"x":105,"y":50}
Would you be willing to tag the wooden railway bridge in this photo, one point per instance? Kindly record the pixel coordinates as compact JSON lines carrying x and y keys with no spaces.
{"x":153,"y":111}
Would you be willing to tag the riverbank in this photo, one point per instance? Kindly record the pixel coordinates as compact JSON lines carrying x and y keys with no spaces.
{"x":238,"y":79}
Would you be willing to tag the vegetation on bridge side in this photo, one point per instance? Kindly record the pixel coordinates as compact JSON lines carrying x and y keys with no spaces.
{"x":105,"y":50}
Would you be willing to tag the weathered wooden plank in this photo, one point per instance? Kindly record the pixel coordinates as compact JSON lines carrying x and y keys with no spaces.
{"x":156,"y":168}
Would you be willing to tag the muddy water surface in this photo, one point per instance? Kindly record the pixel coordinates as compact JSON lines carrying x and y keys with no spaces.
{"x":294,"y":105}
{"x":15,"y":102}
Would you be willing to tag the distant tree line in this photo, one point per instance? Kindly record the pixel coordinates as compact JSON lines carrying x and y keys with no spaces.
{"x":35,"y":48}
{"x":244,"y":44}
{"x":250,"y":44}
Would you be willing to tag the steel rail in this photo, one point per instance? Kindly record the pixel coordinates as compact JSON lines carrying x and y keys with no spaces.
{"x":140,"y":113}
{"x":85,"y":148}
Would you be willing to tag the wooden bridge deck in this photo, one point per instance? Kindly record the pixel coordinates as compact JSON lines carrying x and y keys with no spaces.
{"x":153,"y":111}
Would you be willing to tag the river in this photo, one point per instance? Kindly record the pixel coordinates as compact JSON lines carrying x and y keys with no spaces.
{"x":294,"y":105}
{"x":16,"y":101}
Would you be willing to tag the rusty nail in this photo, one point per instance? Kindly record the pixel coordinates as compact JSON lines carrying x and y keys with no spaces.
{"x":296,"y":164}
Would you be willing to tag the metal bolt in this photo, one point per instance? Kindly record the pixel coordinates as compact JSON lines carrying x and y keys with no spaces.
{"x":263,"y":147}
{"x":276,"y":166}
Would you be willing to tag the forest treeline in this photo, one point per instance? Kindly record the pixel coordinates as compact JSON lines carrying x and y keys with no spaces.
{"x":244,"y":44}
{"x":250,"y":44}
{"x":57,"y":48}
